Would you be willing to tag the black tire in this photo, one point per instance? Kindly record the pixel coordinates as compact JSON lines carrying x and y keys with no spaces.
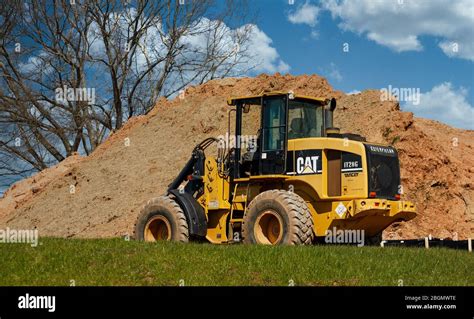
{"x":281,"y":207}
{"x":161,"y":218}
{"x":375,"y":240}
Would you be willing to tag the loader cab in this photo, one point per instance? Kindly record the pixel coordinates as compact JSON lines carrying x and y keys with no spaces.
{"x":270,"y":120}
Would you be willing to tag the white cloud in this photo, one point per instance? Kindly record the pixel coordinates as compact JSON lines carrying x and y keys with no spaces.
{"x":35,"y":63}
{"x":305,"y":14}
{"x":265,"y":55}
{"x":314,"y":34}
{"x":332,"y":72}
{"x":446,"y":104}
{"x":397,"y":43}
{"x":353,"y":92}
{"x":399,"y":24}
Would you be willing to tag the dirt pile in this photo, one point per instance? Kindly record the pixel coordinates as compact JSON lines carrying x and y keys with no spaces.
{"x":138,"y":161}
{"x":25,"y":189}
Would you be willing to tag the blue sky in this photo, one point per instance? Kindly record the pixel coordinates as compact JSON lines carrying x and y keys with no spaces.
{"x":425,"y":45}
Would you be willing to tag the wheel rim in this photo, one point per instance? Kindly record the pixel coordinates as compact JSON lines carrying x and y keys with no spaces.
{"x":157,"y":228}
{"x":268,"y":228}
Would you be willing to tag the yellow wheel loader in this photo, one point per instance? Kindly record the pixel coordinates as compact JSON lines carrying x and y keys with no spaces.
{"x":284,"y":175}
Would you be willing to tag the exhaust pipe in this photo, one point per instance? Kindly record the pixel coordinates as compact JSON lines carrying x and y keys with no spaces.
{"x":329,"y":117}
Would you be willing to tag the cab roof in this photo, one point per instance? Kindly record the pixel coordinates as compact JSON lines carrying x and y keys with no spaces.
{"x":255,"y":99}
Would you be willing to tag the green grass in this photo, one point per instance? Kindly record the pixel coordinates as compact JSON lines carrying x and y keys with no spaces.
{"x":119,"y":262}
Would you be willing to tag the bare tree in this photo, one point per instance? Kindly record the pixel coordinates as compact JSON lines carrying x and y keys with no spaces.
{"x":73,"y":71}
{"x":147,"y":46}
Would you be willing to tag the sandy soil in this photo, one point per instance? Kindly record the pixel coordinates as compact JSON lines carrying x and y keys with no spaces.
{"x":137,"y":162}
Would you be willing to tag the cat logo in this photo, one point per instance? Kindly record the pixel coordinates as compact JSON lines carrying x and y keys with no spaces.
{"x":307,"y":165}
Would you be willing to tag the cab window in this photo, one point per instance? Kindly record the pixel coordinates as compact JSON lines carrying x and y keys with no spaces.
{"x":274,"y":124}
{"x":305,"y":119}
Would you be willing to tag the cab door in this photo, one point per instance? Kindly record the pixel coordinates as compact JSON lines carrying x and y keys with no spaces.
{"x":274,"y":134}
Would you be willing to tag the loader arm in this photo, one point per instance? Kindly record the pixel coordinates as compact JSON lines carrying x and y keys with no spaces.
{"x":192,"y":172}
